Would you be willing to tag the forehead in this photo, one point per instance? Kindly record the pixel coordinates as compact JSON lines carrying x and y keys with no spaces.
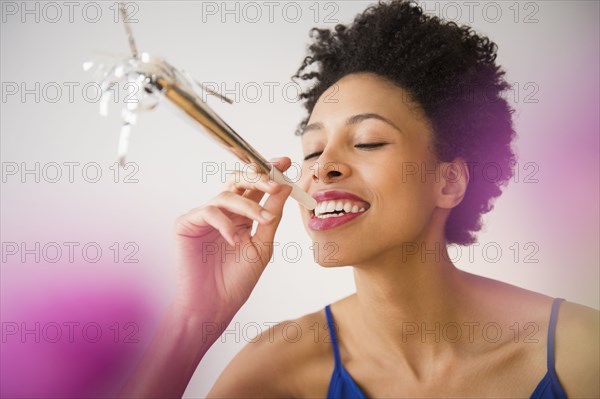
{"x":364,"y":93}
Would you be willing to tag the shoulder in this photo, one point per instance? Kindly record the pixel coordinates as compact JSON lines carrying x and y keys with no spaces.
{"x":283,"y":361}
{"x":576,"y":345}
{"x":577,"y":350}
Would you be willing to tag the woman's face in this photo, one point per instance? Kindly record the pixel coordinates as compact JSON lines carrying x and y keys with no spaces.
{"x":397,"y":179}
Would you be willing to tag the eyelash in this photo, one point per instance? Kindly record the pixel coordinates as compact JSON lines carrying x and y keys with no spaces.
{"x":367,"y":146}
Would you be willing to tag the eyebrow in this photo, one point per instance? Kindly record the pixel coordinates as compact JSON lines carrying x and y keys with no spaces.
{"x":353,"y":120}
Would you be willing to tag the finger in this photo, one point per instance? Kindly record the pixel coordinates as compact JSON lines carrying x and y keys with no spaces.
{"x":253,"y":185}
{"x":243,"y":183}
{"x":242,"y":206}
{"x":265,"y":233}
{"x":200,"y":221}
{"x":281,"y":163}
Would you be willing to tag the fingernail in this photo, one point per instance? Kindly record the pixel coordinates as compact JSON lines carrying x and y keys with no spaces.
{"x":267,"y":215}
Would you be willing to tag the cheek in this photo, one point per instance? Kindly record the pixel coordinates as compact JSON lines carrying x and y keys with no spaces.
{"x":405,"y":205}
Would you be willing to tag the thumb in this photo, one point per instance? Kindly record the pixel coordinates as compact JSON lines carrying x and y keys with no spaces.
{"x":281,"y":163}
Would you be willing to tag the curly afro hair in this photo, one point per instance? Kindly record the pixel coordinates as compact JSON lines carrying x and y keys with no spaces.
{"x":449,"y":73}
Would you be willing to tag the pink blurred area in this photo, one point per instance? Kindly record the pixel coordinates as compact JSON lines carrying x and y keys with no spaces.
{"x":560,"y":135}
{"x":71,"y":337}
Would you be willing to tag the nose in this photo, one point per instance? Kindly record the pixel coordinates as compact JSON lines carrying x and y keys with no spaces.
{"x":329,"y":169}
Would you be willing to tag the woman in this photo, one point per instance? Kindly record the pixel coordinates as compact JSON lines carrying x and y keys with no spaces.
{"x":401,"y":108}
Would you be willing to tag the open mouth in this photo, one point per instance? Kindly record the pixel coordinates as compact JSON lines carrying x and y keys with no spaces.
{"x":337,"y":208}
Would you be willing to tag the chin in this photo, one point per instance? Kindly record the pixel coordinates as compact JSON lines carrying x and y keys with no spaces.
{"x":330,"y":254}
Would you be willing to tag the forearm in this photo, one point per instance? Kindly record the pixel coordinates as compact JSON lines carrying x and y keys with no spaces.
{"x":176,"y":350}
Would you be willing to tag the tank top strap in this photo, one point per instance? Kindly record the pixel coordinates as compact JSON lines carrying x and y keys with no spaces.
{"x":333,"y":336}
{"x":551,"y":335}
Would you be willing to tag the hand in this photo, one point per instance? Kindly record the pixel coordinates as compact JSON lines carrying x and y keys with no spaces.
{"x":218,"y":261}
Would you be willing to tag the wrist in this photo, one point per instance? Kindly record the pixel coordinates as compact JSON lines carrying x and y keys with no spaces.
{"x":198,"y":324}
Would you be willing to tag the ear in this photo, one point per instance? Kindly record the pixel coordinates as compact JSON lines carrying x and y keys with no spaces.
{"x":453,"y":183}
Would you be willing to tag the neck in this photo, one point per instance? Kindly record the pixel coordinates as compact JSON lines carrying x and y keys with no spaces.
{"x":410,"y":294}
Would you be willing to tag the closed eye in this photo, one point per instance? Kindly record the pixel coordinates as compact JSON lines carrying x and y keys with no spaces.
{"x":312,"y":155}
{"x":365,"y":146}
{"x":370,"y":145}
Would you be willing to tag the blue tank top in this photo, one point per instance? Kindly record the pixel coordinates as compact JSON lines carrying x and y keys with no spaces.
{"x":343,"y":386}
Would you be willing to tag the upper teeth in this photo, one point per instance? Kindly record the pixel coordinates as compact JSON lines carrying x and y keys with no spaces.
{"x":331,"y":206}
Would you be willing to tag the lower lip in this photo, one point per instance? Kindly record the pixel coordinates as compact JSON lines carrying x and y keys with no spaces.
{"x":331,"y":222}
